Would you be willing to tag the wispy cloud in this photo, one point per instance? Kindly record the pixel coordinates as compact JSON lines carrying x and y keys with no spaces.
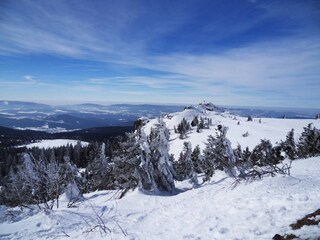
{"x":29,"y":78}
{"x":265,"y":66}
{"x":59,"y":27}
{"x":193,"y":49}
{"x":155,"y":82}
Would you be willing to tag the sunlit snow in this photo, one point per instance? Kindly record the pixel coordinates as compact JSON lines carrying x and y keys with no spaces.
{"x":51,"y":143}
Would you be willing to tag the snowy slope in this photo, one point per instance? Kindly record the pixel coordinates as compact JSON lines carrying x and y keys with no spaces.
{"x":257,"y":210}
{"x":270,"y":128}
{"x":52,"y":143}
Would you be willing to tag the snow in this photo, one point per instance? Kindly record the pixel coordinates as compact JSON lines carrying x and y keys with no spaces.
{"x":51,"y":143}
{"x":214,"y":210}
{"x":45,"y":128}
{"x":270,"y":128}
{"x":257,"y":210}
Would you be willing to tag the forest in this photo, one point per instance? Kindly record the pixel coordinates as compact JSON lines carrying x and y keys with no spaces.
{"x":137,"y":160}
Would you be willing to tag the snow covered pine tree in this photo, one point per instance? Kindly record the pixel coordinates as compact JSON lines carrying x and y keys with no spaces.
{"x":163,"y":172}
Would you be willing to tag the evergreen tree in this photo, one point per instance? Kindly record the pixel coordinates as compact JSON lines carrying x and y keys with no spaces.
{"x":276,"y":155}
{"x":219,"y":155}
{"x":195,"y":121}
{"x":262,"y":153}
{"x":309,"y":142}
{"x":243,"y":161}
{"x":197,"y":159}
{"x":209,"y":165}
{"x":186,"y":169}
{"x":99,"y":172}
{"x":201,"y":125}
{"x":34,"y":182}
{"x":23,"y":183}
{"x":289,"y":145}
{"x":126,"y":163}
{"x":71,"y":180}
{"x":163,"y":172}
{"x":147,"y":181}
{"x":183,"y":128}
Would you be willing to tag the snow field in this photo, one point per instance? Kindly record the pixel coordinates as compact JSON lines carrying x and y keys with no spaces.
{"x":212,"y":211}
{"x":272,"y":129}
{"x":257,"y":210}
{"x":53,"y":143}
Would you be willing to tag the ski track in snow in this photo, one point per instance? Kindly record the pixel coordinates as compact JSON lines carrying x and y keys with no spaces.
{"x":256,"y":210}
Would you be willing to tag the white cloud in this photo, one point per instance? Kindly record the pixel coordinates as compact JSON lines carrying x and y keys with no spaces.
{"x":289,"y":66}
{"x":263,"y":66}
{"x":28,"y":77}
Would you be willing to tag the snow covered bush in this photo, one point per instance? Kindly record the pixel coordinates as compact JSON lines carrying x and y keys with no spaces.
{"x":42,"y":181}
{"x":34,"y":182}
{"x":72,"y":192}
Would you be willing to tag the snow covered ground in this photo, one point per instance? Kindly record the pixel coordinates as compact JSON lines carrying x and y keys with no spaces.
{"x":216,"y":210}
{"x":272,"y":129}
{"x":257,"y":210}
{"x":51,"y":143}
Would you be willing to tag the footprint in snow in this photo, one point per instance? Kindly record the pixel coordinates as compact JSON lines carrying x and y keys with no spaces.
{"x":104,"y":209}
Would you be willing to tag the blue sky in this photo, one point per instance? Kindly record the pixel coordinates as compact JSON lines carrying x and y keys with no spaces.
{"x":235,"y":52}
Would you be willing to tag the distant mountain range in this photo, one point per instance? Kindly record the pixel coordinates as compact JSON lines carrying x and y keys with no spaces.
{"x":41,"y":117}
{"x":34,"y":116}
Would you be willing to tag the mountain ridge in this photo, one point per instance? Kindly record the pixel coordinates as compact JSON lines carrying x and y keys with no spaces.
{"x":28,"y":115}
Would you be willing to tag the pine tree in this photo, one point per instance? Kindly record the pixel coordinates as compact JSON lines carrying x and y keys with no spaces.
{"x":197,"y":159}
{"x":23,"y":183}
{"x":219,"y":155}
{"x":72,"y":182}
{"x":229,"y":160}
{"x":289,"y":145}
{"x":262,"y":153}
{"x":147,"y":181}
{"x":98,"y":172}
{"x":209,"y":165}
{"x":309,"y":142}
{"x":163,"y":172}
{"x":185,"y":164}
{"x":201,"y":125}
{"x":195,"y":121}
{"x":183,"y":128}
{"x":243,"y":160}
{"x":126,"y":163}
{"x":34,"y":182}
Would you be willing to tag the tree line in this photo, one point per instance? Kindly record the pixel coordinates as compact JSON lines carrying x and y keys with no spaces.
{"x":40,"y":176}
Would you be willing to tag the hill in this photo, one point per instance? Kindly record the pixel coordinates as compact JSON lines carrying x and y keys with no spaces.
{"x":240,"y":130}
{"x":219,"y":208}
{"x":34,"y":116}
